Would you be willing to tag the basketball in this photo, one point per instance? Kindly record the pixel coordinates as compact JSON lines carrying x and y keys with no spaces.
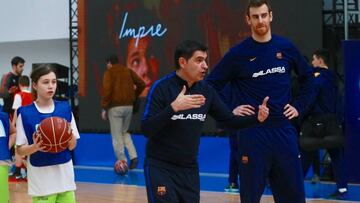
{"x":121,"y":167}
{"x":55,"y":133}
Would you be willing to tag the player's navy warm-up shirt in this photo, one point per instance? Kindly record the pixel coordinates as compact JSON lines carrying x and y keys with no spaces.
{"x":174,"y":136}
{"x":327,"y":92}
{"x":256,"y":70}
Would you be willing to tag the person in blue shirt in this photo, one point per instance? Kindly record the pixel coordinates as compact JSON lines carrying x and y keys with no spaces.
{"x":261,"y":66}
{"x":321,"y":128}
{"x":233,"y":178}
{"x":50,"y":175}
{"x":7,"y":140}
{"x":175,"y":111}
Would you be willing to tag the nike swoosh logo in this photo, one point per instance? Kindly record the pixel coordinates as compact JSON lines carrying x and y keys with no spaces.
{"x":252,"y":59}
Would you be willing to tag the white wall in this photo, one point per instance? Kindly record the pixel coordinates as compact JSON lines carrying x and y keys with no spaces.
{"x":37,"y":30}
{"x":22,"y":20}
{"x":39,"y":51}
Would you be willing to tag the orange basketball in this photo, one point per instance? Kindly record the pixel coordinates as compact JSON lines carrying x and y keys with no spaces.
{"x":55,"y":133}
{"x":121,"y":167}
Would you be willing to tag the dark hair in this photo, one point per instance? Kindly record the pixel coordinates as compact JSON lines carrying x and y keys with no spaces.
{"x":186,"y":50}
{"x":24,"y":81}
{"x":323,"y":54}
{"x":16,"y":60}
{"x":112,"y":58}
{"x":39,"y":71}
{"x":256,"y":4}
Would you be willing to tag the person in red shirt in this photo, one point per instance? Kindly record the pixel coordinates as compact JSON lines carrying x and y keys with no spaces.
{"x":22,"y":98}
{"x":11,"y":83}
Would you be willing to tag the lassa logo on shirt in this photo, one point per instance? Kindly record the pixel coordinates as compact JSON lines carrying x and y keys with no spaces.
{"x":280,"y":69}
{"x":200,"y":117}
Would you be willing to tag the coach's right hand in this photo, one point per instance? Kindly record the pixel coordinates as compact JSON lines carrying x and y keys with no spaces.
{"x":185,"y":102}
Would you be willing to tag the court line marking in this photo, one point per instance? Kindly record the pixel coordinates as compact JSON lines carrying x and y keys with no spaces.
{"x":107,"y":168}
{"x":217,"y":175}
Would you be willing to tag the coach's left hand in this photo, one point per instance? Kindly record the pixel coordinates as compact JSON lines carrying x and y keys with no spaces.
{"x":290,"y":112}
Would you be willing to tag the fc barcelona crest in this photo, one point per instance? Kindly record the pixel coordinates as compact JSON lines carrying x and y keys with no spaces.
{"x":245,"y":159}
{"x":161,"y":190}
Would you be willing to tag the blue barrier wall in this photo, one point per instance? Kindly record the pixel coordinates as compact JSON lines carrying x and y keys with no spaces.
{"x":97,"y":150}
{"x":352,"y":107}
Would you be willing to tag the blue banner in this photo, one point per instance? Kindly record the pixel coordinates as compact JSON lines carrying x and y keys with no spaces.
{"x":352,"y":108}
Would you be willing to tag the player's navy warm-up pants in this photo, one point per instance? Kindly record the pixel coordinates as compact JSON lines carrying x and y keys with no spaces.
{"x":270,"y":152}
{"x":337,"y":163}
{"x":233,"y":162}
{"x":167,"y":183}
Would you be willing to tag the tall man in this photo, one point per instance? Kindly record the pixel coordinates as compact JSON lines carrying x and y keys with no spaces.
{"x":176,"y":108}
{"x":121,"y":86}
{"x":11,"y":84}
{"x":257,"y":67}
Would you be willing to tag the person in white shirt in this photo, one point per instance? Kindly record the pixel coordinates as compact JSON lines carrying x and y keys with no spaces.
{"x":22,"y":98}
{"x":50,"y":175}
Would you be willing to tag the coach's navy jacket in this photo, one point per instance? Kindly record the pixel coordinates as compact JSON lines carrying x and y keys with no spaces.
{"x":174,"y":137}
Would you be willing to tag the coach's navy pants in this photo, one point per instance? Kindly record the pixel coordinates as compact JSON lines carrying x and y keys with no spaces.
{"x":167,"y":182}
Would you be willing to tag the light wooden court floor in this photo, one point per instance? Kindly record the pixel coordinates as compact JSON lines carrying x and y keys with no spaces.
{"x":111,"y":193}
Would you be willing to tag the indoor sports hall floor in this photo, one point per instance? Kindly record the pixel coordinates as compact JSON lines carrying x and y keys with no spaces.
{"x":97,"y":181}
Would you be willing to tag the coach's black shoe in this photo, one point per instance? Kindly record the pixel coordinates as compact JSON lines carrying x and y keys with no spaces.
{"x":338,"y":195}
{"x":133,"y":163}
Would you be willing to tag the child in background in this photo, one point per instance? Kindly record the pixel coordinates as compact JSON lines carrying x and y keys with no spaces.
{"x":50,"y":175}
{"x":22,"y":98}
{"x":7,"y":135}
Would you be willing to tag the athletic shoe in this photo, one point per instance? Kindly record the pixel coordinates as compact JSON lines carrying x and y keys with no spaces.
{"x":24,"y":174}
{"x":232,"y":188}
{"x":17,"y":178}
{"x":133,"y":163}
{"x":338,"y":195}
{"x":16,"y":175}
{"x":315,"y":179}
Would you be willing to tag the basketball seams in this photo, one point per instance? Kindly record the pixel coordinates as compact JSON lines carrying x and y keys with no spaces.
{"x":62,"y":135}
{"x":57,"y":137}
{"x":43,"y":133}
{"x":54,"y":134}
{"x":42,"y":137}
{"x":121,"y":167}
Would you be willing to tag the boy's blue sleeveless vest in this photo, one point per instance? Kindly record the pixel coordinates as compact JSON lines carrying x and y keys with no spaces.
{"x":31,"y":118}
{"x":4,"y":140}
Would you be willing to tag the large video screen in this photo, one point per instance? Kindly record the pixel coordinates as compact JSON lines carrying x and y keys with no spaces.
{"x":144,"y":33}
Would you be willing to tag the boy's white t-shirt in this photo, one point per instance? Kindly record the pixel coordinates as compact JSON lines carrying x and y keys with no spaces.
{"x":17,"y":100}
{"x":47,"y":180}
